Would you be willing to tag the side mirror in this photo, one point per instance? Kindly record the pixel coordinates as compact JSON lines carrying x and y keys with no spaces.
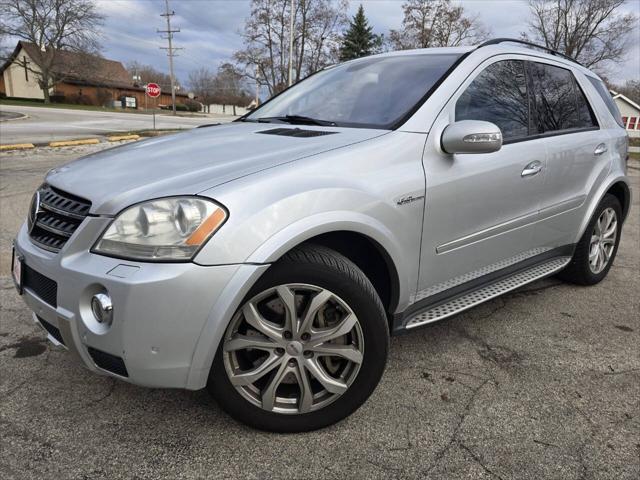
{"x":471,"y":136}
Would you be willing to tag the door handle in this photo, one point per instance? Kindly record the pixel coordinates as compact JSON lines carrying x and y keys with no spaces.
{"x":600,"y":149}
{"x":533,"y":168}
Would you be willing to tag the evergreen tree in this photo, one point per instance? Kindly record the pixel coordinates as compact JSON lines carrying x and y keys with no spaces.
{"x":359,"y":40}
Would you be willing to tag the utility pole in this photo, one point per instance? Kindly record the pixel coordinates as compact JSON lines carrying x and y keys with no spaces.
{"x":170,"y":50}
{"x":257,"y":87}
{"x":291,"y":44}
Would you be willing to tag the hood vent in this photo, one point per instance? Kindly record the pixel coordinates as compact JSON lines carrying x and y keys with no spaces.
{"x":295,"y":132}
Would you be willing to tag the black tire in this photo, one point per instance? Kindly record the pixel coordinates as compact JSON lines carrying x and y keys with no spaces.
{"x":579,"y":271}
{"x":322,"y":267}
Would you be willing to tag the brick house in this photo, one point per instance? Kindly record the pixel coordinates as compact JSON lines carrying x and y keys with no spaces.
{"x":86,"y":79}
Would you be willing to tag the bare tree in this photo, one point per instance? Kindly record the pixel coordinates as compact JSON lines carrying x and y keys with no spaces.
{"x":230,"y":88}
{"x":202,"y":83}
{"x":317,"y":29}
{"x":593,"y":32}
{"x":5,"y":50}
{"x":148,"y":74}
{"x":630,"y":89}
{"x":53,"y":26}
{"x":436,"y":23}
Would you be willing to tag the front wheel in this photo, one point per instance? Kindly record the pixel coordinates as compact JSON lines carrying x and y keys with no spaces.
{"x":307,"y":347}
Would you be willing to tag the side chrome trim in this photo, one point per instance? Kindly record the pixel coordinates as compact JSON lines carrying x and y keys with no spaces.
{"x":562,"y":207}
{"x":529,"y":218}
{"x":488,"y":232}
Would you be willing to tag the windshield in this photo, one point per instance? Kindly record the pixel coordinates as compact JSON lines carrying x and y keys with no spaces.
{"x":373,"y":92}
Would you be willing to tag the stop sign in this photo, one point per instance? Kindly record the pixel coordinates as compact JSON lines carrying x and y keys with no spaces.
{"x":152,"y":90}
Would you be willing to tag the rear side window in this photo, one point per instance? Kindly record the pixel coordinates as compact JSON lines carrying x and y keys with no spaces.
{"x":606,"y":98}
{"x":558,"y":101}
{"x":498,"y":95}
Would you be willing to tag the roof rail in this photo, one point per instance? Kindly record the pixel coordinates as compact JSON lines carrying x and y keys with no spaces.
{"x":496,"y":41}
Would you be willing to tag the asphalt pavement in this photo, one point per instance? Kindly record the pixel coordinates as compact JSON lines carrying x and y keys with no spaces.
{"x":543,"y":383}
{"x":43,"y":124}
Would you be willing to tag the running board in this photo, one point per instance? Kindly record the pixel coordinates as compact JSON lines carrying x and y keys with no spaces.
{"x":482,"y":294}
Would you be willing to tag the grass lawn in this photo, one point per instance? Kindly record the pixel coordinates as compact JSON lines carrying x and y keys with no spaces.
{"x":634,"y":156}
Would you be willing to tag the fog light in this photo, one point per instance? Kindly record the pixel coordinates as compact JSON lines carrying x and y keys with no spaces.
{"x":102,"y":308}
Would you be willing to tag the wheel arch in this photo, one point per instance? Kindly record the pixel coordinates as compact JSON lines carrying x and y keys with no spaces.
{"x":621,"y":191}
{"x":343,"y":236}
{"x":619,"y":187}
{"x":370,"y":257}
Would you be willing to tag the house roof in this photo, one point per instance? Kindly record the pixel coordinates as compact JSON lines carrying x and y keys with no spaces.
{"x":80,"y":67}
{"x":617,"y":95}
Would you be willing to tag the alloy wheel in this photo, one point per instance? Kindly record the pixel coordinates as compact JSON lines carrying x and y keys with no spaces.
{"x":293,"y":349}
{"x":603,"y":240}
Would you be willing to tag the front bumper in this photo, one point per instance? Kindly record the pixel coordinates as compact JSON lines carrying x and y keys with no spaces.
{"x":167,"y":317}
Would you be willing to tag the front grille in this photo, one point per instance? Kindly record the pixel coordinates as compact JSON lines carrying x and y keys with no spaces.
{"x":45,"y":288}
{"x":108,"y":362}
{"x":56,"y":217}
{"x":53,"y":331}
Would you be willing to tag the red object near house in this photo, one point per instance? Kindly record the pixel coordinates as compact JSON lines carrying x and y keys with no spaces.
{"x":152,"y":90}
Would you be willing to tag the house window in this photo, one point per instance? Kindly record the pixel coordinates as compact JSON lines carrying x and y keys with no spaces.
{"x":632,"y":123}
{"x":624,"y":121}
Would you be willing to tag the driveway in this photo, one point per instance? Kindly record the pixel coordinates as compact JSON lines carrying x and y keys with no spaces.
{"x":46,"y":124}
{"x":541,"y":383}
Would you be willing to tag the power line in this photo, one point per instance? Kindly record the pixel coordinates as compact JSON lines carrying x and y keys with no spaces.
{"x":170,"y":50}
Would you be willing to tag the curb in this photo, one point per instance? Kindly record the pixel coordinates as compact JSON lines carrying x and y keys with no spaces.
{"x":72,"y":143}
{"x":119,"y":138}
{"x":17,"y":146}
{"x":68,"y":143}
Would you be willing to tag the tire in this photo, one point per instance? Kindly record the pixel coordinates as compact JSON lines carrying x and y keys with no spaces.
{"x":312,"y":273}
{"x":580,"y":270}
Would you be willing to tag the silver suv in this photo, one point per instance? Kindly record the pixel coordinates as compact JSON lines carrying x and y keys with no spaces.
{"x":269,"y":259}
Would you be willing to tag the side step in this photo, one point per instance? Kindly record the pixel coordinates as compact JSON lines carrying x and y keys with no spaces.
{"x":482,"y":294}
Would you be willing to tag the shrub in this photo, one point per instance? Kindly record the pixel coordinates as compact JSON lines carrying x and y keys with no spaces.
{"x":78,"y":99}
{"x":104,"y":97}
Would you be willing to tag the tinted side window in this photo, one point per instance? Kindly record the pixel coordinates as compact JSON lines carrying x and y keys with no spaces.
{"x":586,"y":118}
{"x":558,"y":101}
{"x":498,"y":95}
{"x":606,"y":98}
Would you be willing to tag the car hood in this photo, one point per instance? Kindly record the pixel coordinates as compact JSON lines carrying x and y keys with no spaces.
{"x":191,"y":162}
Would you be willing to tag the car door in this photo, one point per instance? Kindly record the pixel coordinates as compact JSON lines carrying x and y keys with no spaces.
{"x":578,"y":154}
{"x":481,"y":208}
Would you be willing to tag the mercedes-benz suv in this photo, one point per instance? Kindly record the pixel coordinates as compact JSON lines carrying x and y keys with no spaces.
{"x":270,"y":259}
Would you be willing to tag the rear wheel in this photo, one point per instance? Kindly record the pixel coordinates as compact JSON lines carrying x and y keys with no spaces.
{"x":307,"y":347}
{"x":597,"y":248}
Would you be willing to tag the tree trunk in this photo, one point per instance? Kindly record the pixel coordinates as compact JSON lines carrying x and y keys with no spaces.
{"x":47,"y":98}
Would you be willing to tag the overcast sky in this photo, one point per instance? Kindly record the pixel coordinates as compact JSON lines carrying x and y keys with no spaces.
{"x":210,"y":29}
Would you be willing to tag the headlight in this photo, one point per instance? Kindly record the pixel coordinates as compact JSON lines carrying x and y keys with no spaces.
{"x":169,"y":229}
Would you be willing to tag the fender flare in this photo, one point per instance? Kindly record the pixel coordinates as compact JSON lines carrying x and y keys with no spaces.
{"x":597,"y":198}
{"x":261,"y":259}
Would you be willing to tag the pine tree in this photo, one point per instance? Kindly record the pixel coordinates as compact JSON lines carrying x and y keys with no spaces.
{"x":359,"y":40}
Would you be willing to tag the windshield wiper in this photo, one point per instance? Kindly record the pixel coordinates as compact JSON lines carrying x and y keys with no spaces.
{"x":300,"y":119}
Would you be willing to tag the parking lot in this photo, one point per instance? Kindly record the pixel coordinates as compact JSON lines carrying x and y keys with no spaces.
{"x":541,"y":383}
{"x":42,"y":124}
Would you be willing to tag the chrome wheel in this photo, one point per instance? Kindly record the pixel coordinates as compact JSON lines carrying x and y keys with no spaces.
{"x":603,"y":240}
{"x":293,"y":349}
